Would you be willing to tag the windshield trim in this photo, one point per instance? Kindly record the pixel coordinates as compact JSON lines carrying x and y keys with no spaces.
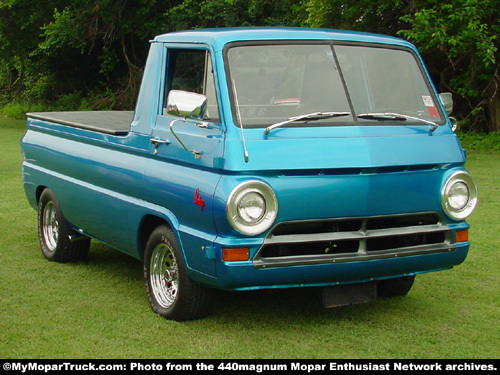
{"x":354,"y":121}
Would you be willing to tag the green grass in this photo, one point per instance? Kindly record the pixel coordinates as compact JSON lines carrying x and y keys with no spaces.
{"x":98,"y":308}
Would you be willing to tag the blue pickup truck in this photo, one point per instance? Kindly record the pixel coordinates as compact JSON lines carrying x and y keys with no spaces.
{"x":260,"y":158}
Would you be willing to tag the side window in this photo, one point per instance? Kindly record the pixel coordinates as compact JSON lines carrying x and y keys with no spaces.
{"x":192,"y":71}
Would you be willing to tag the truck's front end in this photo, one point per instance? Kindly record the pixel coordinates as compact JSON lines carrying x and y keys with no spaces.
{"x":340,"y":166}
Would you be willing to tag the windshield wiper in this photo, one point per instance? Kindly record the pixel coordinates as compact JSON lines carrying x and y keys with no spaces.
{"x":390,"y":116}
{"x":306,"y":117}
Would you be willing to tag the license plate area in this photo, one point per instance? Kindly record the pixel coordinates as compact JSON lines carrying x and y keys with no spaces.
{"x":348,"y":294}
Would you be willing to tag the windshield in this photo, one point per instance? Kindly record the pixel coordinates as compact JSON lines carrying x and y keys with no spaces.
{"x":274,"y":83}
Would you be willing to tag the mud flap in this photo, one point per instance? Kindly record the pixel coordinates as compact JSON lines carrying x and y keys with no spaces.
{"x":348,"y":294}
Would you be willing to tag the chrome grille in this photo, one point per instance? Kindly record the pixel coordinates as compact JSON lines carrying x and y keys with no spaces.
{"x":353,"y":239}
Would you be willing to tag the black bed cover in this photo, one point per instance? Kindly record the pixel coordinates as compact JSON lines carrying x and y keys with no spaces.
{"x":109,"y":122}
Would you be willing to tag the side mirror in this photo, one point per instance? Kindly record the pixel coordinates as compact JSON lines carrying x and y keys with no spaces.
{"x":454,"y":124}
{"x":447,"y":100}
{"x":186,"y":104}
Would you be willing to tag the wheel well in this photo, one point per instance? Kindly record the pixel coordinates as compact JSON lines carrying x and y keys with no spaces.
{"x":39,"y":191}
{"x":148,"y":225}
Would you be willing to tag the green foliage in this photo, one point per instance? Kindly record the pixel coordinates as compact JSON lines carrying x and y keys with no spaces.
{"x":49,"y":50}
{"x":363,"y":15}
{"x":456,"y":28}
{"x":19,"y":110}
{"x":65,"y":30}
{"x":480,"y":141}
{"x":233,"y":13}
{"x":461,"y":39}
{"x":14,"y":110}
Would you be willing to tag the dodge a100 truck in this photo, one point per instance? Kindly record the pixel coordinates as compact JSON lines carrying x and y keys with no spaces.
{"x":261,"y":158}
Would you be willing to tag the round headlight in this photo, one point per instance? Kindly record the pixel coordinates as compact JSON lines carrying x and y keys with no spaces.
{"x":251,"y":207}
{"x":459,"y":195}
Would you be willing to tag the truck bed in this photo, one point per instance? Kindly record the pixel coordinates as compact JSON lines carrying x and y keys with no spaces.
{"x":109,"y":122}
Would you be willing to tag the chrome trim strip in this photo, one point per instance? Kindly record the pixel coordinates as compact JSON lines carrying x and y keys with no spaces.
{"x":356,"y":235}
{"x":363,"y":235}
{"x":304,"y":260}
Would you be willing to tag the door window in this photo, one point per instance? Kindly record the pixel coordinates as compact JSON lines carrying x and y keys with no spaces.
{"x":192,"y":71}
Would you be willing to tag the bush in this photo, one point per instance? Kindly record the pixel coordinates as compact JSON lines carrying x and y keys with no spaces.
{"x":19,"y":110}
{"x":480,"y":141}
{"x":14,"y":110}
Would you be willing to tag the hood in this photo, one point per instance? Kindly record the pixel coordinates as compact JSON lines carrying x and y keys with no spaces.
{"x":372,"y":147}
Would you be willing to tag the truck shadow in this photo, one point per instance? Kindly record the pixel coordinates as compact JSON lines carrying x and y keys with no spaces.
{"x":267,"y":301}
{"x":125,"y":274}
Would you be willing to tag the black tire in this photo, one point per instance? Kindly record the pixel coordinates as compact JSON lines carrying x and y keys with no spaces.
{"x":397,"y":287}
{"x":54,"y":232}
{"x":171,"y":292}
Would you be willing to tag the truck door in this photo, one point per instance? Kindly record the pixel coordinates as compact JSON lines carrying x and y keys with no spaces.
{"x":195,"y":141}
{"x":184,"y":168}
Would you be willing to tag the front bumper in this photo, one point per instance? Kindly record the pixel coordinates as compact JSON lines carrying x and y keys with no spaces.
{"x":382,"y":247}
{"x":243,"y":275}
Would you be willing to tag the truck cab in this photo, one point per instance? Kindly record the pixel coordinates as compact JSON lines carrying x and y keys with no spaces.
{"x":264,"y":158}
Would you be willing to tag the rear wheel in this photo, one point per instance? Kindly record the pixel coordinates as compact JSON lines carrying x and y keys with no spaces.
{"x":399,"y":286}
{"x":171,"y":292}
{"x":54,"y":232}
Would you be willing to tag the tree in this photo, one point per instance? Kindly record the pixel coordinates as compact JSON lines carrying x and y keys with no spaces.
{"x":20,"y":23}
{"x":462,"y":39}
{"x":63,"y":48}
{"x":193,"y":14}
{"x":376,"y":16}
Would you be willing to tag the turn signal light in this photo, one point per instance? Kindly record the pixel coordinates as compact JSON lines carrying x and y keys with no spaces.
{"x":462,"y":236}
{"x":236,"y":255}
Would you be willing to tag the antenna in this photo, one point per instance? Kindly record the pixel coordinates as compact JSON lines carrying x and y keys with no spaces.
{"x":238,"y":113}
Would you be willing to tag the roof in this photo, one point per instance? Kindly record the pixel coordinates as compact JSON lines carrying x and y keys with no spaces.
{"x":219,"y":37}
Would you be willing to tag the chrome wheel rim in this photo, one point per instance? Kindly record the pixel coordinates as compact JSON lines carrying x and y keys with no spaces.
{"x":50,"y":226}
{"x":164,"y":275}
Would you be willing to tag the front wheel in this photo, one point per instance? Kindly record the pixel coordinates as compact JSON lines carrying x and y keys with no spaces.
{"x":171,"y":292}
{"x":54,"y":232}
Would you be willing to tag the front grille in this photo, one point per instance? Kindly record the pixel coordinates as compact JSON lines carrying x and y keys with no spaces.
{"x":353,"y":239}
{"x":358,"y":171}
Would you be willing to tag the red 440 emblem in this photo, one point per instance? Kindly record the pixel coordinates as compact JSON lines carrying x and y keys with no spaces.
{"x":198,"y":199}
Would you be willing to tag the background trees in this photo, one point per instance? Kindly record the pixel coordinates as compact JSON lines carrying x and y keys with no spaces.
{"x":460,"y":40}
{"x":76,"y":54}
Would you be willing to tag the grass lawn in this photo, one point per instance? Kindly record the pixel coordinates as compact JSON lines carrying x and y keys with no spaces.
{"x":98,"y":308}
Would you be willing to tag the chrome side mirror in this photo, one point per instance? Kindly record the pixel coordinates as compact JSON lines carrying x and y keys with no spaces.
{"x":186,"y":104}
{"x":447,"y":100}
{"x":454,"y":124}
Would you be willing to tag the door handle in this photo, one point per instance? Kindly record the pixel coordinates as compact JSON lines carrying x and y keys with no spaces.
{"x":157,"y":142}
{"x":203,"y":125}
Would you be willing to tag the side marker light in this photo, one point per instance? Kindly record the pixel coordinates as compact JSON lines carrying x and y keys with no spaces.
{"x":236,"y":255}
{"x":462,"y":236}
